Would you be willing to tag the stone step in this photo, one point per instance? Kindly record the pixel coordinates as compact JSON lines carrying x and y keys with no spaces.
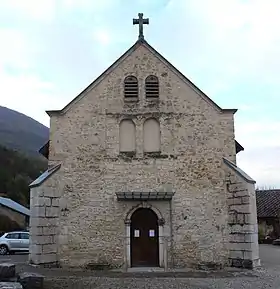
{"x":30,"y":280}
{"x":10,"y":285}
{"x":7,"y":270}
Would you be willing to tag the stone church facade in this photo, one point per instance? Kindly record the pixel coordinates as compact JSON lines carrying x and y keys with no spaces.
{"x":142,"y":172}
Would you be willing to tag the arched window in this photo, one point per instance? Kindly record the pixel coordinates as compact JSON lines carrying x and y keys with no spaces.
{"x":151,"y":135}
{"x":130,"y":86}
{"x":152,"y":86}
{"x":127,"y":135}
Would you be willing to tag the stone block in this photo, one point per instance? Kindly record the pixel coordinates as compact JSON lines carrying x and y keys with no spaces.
{"x":42,"y":240}
{"x":240,"y":208}
{"x":52,"y":211}
{"x":237,"y":262}
{"x":55,"y":202}
{"x":236,"y":187}
{"x":240,"y":218}
{"x":36,"y":231}
{"x":240,"y":246}
{"x":235,"y":254}
{"x":251,"y":219}
{"x":43,"y":222}
{"x":251,"y":238}
{"x":242,"y":193}
{"x":31,"y":280}
{"x":35,"y":249}
{"x":33,"y":201}
{"x":248,"y":264}
{"x":252,"y":253}
{"x":230,"y":201}
{"x":38,"y":191}
{"x":10,"y":285}
{"x":256,"y":263}
{"x":232,"y":218}
{"x":50,"y":192}
{"x":7,"y":270}
{"x":54,"y":239}
{"x":245,"y":200}
{"x":37,"y":212}
{"x":48,"y":258}
{"x":49,"y":231}
{"x":234,"y":201}
{"x":47,"y":201}
{"x":241,"y":263}
{"x":49,"y":248}
{"x":243,"y":229}
{"x":40,"y":202}
{"x":34,"y":258}
{"x":237,"y":238}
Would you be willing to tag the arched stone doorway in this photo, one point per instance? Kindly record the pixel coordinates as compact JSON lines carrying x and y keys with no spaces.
{"x":160,"y":225}
{"x":144,"y":238}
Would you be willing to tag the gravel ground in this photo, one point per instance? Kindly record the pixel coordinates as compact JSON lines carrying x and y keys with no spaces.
{"x":170,"y":282}
{"x":268,"y":276}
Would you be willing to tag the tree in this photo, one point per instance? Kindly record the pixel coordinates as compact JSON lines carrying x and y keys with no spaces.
{"x":17,"y":171}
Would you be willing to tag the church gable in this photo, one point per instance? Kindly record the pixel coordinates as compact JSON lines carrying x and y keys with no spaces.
{"x":142,"y":72}
{"x":140,"y":82}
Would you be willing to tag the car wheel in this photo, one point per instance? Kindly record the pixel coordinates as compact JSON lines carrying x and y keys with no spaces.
{"x":3,"y":250}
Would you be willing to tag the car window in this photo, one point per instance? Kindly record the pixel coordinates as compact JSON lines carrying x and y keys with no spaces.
{"x":13,"y":236}
{"x":24,"y":236}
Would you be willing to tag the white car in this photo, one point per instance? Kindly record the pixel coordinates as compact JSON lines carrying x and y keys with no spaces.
{"x":17,"y":241}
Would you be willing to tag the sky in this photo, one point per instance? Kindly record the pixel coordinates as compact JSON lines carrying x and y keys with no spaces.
{"x":50,"y":50}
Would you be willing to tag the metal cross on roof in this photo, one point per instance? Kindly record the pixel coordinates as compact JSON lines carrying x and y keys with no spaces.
{"x":141,"y":21}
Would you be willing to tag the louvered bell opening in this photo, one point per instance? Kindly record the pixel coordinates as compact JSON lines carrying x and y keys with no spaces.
{"x":131,"y":87}
{"x":152,"y":88}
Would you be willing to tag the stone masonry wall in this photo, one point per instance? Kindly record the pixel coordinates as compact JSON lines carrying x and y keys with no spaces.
{"x":194,"y":138}
{"x":44,"y":207}
{"x":243,"y":227}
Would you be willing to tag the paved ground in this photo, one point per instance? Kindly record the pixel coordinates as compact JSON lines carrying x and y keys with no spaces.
{"x":19,"y":258}
{"x":270,"y":257}
{"x":268,"y":276}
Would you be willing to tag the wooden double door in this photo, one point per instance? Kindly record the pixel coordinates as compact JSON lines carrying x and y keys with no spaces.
{"x":144,"y":239}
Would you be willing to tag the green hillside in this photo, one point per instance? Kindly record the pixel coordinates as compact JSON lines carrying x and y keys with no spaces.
{"x":17,"y":171}
{"x":21,"y":132}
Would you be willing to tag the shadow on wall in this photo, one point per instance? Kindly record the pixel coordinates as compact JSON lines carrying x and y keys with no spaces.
{"x":6,"y":224}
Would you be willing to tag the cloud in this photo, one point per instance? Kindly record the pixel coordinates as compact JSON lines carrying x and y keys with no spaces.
{"x":234,"y":40}
{"x":260,"y":134}
{"x":102,"y":37}
{"x":85,"y":4}
{"x":43,"y":10}
{"x":29,"y":95}
{"x":261,"y":140}
{"x":262,"y":164}
{"x":13,"y":49}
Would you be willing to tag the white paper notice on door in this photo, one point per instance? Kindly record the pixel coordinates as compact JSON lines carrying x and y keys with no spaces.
{"x":151,"y":233}
{"x":136,"y":233}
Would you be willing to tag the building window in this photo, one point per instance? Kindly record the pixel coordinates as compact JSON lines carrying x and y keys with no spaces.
{"x":127,"y":136}
{"x":152,"y":87}
{"x":130,"y":87}
{"x":151,"y":135}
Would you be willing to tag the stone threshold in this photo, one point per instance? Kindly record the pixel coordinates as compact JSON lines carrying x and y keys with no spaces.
{"x":144,"y":269}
